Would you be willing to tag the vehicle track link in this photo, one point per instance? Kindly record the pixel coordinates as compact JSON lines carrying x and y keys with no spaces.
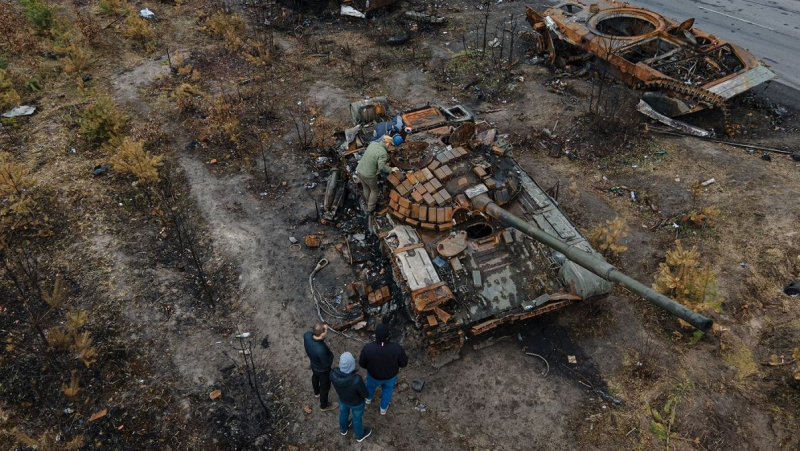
{"x":703,"y":96}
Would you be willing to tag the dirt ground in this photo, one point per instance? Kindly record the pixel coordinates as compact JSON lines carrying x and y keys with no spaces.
{"x":246,"y":197}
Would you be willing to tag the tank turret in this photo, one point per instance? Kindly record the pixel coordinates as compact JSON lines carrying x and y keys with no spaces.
{"x":481,"y":201}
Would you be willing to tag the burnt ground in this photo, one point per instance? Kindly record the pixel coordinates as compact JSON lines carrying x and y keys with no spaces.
{"x":629,"y":356}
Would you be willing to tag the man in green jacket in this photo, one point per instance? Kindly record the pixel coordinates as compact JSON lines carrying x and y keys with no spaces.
{"x":373,"y":161}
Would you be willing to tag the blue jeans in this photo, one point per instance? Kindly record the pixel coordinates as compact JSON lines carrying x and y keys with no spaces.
{"x":358,"y":416}
{"x":387,"y":387}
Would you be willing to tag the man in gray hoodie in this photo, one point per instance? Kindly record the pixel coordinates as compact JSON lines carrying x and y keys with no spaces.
{"x":352,"y":392}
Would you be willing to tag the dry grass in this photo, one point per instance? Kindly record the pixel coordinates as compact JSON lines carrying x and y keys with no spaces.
{"x":741,"y":358}
{"x":230,"y":27}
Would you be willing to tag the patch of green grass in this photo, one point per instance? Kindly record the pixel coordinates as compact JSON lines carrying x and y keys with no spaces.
{"x":38,"y":13}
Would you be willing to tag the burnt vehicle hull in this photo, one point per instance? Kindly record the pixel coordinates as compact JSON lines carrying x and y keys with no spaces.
{"x":463,"y":267}
{"x":647,"y":50}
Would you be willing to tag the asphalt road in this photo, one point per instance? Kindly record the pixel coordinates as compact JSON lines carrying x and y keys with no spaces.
{"x":770,"y":29}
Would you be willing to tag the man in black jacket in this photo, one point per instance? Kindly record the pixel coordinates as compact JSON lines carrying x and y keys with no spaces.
{"x":382,"y":361}
{"x":352,"y":393}
{"x":321,"y":360}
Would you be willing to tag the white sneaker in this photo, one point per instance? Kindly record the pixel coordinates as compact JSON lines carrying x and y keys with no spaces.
{"x":368,"y":401}
{"x":383,"y":411}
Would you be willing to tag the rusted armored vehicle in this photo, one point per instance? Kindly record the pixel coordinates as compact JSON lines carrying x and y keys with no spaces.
{"x":473,"y":241}
{"x":685,"y":69}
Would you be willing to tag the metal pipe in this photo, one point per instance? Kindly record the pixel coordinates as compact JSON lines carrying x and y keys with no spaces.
{"x":594,"y":264}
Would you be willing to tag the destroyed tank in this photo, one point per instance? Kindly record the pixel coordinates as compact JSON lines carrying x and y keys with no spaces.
{"x":472,"y":240}
{"x":681,"y":68}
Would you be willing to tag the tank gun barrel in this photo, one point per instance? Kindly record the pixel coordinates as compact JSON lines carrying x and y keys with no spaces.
{"x":607,"y":271}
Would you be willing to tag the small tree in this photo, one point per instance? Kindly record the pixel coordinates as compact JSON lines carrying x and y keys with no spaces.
{"x":606,"y":238}
{"x":682,"y":277}
{"x":101,"y":121}
{"x":9,"y":97}
{"x":131,"y":158}
{"x":138,"y":31}
{"x":39,"y":14}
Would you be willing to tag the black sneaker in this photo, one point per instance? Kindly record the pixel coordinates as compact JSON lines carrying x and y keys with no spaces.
{"x":367,"y":433}
{"x":348,"y":428}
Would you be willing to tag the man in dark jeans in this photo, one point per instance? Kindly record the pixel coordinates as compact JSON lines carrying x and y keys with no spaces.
{"x":321,"y":360}
{"x":352,"y":393}
{"x":382,"y":361}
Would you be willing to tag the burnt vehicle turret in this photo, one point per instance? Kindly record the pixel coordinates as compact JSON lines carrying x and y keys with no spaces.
{"x":473,"y":241}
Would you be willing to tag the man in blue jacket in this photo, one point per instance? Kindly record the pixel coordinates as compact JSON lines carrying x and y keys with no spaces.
{"x":352,"y":393}
{"x":382,"y":360}
{"x":321,"y":359}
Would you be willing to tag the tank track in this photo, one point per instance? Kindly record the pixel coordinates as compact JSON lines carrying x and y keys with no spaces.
{"x":703,"y":96}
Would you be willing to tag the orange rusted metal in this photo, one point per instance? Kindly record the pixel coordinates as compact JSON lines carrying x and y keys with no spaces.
{"x":647,"y":50}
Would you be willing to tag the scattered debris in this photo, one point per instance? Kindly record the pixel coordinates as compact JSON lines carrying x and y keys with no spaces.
{"x":398,"y":39}
{"x":312,"y":240}
{"x":766,"y":156}
{"x":100,"y":169}
{"x":792,"y":288}
{"x":293,"y":240}
{"x":708,"y":182}
{"x":307,"y":410}
{"x":418,"y":384}
{"x":146,"y":14}
{"x":215,"y":394}
{"x":420,"y":408}
{"x":547,"y":370}
{"x":644,"y":108}
{"x":572,"y":359}
{"x":22,"y":110}
{"x":97,"y":415}
{"x":347,"y":10}
{"x":724,"y":141}
{"x":427,"y":18}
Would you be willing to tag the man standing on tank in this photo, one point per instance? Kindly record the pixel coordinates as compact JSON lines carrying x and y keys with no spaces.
{"x":374,"y":161}
{"x":321,"y":359}
{"x":382,"y":360}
